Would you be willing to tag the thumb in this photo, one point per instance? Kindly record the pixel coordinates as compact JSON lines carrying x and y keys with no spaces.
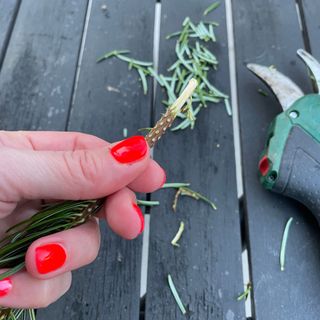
{"x":73,"y":175}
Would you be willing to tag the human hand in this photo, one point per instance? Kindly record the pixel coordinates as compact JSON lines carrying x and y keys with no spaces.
{"x":73,"y":166}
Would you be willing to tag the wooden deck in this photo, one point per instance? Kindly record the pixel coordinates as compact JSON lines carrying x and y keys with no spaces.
{"x":49,"y":80}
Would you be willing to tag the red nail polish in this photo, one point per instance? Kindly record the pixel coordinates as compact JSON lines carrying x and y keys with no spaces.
{"x":130,"y":150}
{"x":50,"y":257}
{"x":5,"y":286}
{"x":137,"y":209}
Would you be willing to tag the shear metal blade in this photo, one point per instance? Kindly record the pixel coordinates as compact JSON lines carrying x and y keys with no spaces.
{"x":312,"y":64}
{"x":286,"y":91}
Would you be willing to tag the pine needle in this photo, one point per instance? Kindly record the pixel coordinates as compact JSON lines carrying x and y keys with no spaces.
{"x":197,"y":196}
{"x":147,"y":203}
{"x":177,"y":237}
{"x":12,"y":271}
{"x":245,"y":294}
{"x":284,"y":244}
{"x":32,"y":314}
{"x":175,"y":200}
{"x":212,"y":7}
{"x":228,"y":107}
{"x":175,"y":185}
{"x":143,"y":80}
{"x":125,"y":132}
{"x":113,"y":53}
{"x":183,"y":190}
{"x":176,"y":295}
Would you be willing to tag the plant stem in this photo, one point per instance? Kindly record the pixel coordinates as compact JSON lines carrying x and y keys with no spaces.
{"x":167,"y":119}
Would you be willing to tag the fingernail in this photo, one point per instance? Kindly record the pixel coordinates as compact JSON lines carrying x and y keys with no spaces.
{"x":5,"y":286}
{"x":50,"y":257}
{"x":137,"y":209}
{"x":164,"y":179}
{"x":130,"y":150}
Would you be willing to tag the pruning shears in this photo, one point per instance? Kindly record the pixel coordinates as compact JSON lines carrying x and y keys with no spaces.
{"x":290,"y":161}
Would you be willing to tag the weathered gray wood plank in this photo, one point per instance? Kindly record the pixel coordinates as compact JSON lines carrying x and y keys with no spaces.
{"x":38,"y":71}
{"x":311,"y":10}
{"x":8,"y":11}
{"x":206,"y":268}
{"x":108,"y":99}
{"x":268,"y":33}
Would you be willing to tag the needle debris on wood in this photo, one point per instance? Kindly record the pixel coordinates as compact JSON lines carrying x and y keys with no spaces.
{"x":284,"y":244}
{"x":194,"y":59}
{"x":177,"y":237}
{"x":184,"y":190}
{"x":245,"y":294}
{"x":212,"y":7}
{"x":125,"y":132}
{"x":147,"y":203}
{"x":176,"y":295}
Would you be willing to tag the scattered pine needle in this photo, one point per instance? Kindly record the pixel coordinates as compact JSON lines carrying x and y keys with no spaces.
{"x":197,"y":196}
{"x":176,"y":295}
{"x":147,"y":203}
{"x":125,"y":132}
{"x":194,"y":59}
{"x":175,"y":200}
{"x":212,"y":7}
{"x":284,"y":244}
{"x":245,"y":294}
{"x":183,"y":190}
{"x":175,"y":185}
{"x":177,"y":237}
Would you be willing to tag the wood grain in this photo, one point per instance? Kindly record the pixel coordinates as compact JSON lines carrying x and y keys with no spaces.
{"x":38,"y":71}
{"x":311,"y":11}
{"x":8,"y":10}
{"x":206,"y":268}
{"x":109,"y":98}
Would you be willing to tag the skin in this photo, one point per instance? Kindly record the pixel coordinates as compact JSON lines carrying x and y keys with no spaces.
{"x":60,"y":166}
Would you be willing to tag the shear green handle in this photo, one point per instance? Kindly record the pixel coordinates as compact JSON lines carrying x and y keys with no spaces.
{"x":290,"y":163}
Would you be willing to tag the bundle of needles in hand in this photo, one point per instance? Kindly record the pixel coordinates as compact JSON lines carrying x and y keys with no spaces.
{"x":194,"y":60}
{"x":68,"y":214}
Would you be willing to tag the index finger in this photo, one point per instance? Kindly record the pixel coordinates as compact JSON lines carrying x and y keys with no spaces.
{"x":50,"y":140}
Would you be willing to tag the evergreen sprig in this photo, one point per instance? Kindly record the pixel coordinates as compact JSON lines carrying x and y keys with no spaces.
{"x":65,"y":215}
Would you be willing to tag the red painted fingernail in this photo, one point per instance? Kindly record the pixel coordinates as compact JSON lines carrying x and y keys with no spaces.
{"x":137,"y":209}
{"x":130,"y":150}
{"x":5,"y":286}
{"x":164,"y":178}
{"x":50,"y":257}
